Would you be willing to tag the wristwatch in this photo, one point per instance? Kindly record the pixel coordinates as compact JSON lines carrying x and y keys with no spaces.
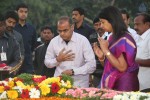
{"x":72,"y":71}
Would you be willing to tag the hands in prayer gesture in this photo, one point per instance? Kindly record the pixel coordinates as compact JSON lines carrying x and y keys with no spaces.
{"x":100,"y":51}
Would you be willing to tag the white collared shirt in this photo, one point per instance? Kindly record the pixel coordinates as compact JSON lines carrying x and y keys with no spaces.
{"x":143,"y":52}
{"x":133,"y":33}
{"x":83,"y":64}
{"x":106,"y":34}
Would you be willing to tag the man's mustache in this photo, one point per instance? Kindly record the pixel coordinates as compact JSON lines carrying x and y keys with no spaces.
{"x":74,"y":19}
{"x":136,"y":30}
{"x":9,"y":28}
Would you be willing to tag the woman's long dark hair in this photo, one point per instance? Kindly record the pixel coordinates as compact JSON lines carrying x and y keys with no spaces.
{"x":114,"y":17}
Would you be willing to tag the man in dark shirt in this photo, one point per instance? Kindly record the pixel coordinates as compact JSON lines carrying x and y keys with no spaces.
{"x":28,"y":33}
{"x":11,"y":18}
{"x":9,"y":49}
{"x":40,"y":51}
{"x":94,"y":38}
{"x":80,"y":26}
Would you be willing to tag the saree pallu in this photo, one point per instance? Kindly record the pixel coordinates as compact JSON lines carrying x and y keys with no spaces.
{"x":123,"y":81}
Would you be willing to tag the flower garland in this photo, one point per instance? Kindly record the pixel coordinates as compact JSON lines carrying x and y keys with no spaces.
{"x":132,"y":96}
{"x":105,"y":94}
{"x":34,"y":86}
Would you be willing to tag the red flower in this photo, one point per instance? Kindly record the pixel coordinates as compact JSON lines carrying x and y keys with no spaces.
{"x":55,"y":88}
{"x":18,"y":79}
{"x":2,"y":65}
{"x":39,"y":79}
{"x":7,"y":79}
{"x":6,"y":88}
{"x":25,"y":93}
{"x":1,"y":84}
{"x":37,"y":87}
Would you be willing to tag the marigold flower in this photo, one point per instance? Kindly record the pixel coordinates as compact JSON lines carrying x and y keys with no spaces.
{"x":61,"y":91}
{"x":45,"y":89}
{"x":2,"y":89}
{"x":11,"y":84}
{"x":12,"y":94}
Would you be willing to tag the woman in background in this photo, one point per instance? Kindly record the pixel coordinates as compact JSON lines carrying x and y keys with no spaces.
{"x":117,"y":54}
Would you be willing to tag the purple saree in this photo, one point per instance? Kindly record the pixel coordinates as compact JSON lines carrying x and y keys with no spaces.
{"x":122,"y":81}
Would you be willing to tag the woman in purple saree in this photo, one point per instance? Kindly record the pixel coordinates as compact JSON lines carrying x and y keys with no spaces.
{"x":118,"y":54}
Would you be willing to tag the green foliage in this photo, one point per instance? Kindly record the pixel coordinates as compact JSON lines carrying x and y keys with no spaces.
{"x":66,"y":77}
{"x":27,"y":78}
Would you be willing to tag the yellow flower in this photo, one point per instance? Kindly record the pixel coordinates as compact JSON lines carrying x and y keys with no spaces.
{"x":12,"y":94}
{"x":1,"y":89}
{"x":19,"y":83}
{"x":14,"y":78}
{"x":55,"y":80}
{"x":68,"y":84}
{"x":45,"y":89}
{"x":61,"y":91}
{"x":32,"y":86}
{"x":37,"y":76}
{"x":11,"y":84}
{"x":28,"y":87}
{"x":50,"y":80}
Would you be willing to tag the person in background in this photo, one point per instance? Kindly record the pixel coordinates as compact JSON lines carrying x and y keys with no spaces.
{"x":40,"y":51}
{"x":11,"y":18}
{"x":126,"y":18}
{"x":96,"y":76}
{"x":9,"y":50}
{"x":142,"y":27}
{"x":28,"y":33}
{"x":118,"y":54}
{"x":71,"y":54}
{"x":80,"y":26}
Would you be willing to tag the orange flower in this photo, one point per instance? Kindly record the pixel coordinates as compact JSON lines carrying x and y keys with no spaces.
{"x":11,"y":84}
{"x":2,"y":89}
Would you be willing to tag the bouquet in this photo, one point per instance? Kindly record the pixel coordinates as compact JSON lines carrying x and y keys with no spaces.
{"x":34,"y":86}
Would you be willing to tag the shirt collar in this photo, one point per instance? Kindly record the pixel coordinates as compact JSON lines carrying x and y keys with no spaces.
{"x":144,"y":35}
{"x":128,"y":28}
{"x":82,"y":25}
{"x":25,"y":25}
{"x":73,"y":38}
{"x":5,"y":35}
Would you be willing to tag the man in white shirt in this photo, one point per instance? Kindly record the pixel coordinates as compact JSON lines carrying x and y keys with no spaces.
{"x":126,"y":19}
{"x":142,"y":27}
{"x":71,"y":53}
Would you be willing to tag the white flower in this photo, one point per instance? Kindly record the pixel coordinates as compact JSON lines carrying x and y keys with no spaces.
{"x":18,"y":88}
{"x":91,"y":93}
{"x":3,"y":95}
{"x":10,"y":79}
{"x":117,"y":97}
{"x":4,"y":82}
{"x":34,"y":93}
{"x":63,"y":83}
{"x":131,"y":96}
